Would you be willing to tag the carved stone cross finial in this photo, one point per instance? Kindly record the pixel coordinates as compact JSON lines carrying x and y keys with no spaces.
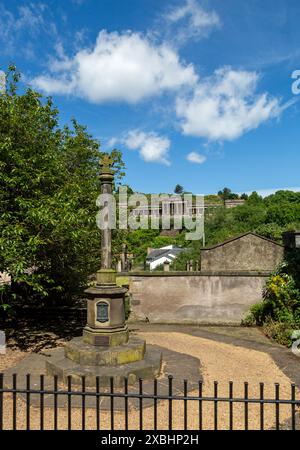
{"x":106,"y":162}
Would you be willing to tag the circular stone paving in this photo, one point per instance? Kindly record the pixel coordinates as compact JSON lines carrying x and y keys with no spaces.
{"x":179,"y":365}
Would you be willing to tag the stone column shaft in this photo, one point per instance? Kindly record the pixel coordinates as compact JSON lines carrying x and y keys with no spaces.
{"x":106,"y":188}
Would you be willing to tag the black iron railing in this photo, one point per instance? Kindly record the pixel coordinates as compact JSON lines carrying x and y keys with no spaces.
{"x":16,"y":401}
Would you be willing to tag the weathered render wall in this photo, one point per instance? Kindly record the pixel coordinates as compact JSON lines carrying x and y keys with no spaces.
{"x":212,"y":298}
{"x":247,"y":252}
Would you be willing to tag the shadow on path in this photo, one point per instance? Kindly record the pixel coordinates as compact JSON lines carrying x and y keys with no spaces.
{"x":33,"y":335}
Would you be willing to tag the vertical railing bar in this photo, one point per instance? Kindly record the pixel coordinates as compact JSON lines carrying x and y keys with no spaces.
{"x":261,"y":387}
{"x":15,"y":401}
{"x":293,"y":398}
{"x":141,"y":402}
{"x":231,"y":405}
{"x":215,"y":399}
{"x":98,"y":403}
{"x":55,"y":401}
{"x":246,"y":405}
{"x":42,"y":402}
{"x":69,"y":402}
{"x":83,"y":403}
{"x":155,"y":405}
{"x":1,"y":401}
{"x":216,"y":405}
{"x":200,"y":405}
{"x":185,"y":390}
{"x":277,"y":406}
{"x":112,"y":424}
{"x":28,"y":402}
{"x":170,"y":378}
{"x":126,"y":402}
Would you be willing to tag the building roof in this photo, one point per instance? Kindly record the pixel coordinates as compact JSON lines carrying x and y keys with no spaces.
{"x":239,"y":237}
{"x":160,"y":252}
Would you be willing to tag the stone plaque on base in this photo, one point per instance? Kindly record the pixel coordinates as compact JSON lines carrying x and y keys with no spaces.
{"x":102,"y":341}
{"x":102,"y":312}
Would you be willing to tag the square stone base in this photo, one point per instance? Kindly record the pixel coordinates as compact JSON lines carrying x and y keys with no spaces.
{"x":105,"y":338}
{"x":93,"y":355}
{"x":147,"y":368}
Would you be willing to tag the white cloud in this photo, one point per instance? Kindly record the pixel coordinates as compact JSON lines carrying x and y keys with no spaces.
{"x":225,"y":106}
{"x":192,"y":21}
{"x":28,"y":20}
{"x":195,"y":157}
{"x":112,"y":142}
{"x":130,"y":67}
{"x":151,"y":146}
{"x":121,"y":66}
{"x":30,"y":29}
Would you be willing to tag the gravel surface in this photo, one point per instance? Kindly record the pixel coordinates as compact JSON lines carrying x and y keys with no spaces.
{"x":10,"y":358}
{"x":219,"y":361}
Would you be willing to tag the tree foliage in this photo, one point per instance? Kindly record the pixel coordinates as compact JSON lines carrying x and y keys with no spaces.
{"x":279,"y":312}
{"x":227,"y":194}
{"x":268,"y":216}
{"x":49,"y":242}
{"x":178,"y":189}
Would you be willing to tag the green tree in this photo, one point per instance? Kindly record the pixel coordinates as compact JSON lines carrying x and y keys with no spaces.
{"x":254,"y":198}
{"x":270,"y":230}
{"x":284,"y":213}
{"x":227,"y":194}
{"x":249,"y":215}
{"x":178,"y":189}
{"x":49,"y":240}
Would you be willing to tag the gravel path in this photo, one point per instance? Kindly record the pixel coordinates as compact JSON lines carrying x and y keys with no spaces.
{"x":219,"y":361}
{"x":225,"y":362}
{"x":10,"y":358}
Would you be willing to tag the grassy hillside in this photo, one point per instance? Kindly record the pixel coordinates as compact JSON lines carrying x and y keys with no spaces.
{"x":268,"y":216}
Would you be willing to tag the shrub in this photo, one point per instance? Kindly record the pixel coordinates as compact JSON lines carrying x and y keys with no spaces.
{"x":281,"y":332}
{"x":256,"y":315}
{"x":282,"y":298}
{"x":279,"y":312}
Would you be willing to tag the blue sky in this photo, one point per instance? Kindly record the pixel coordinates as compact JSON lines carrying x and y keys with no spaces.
{"x":196,"y":92}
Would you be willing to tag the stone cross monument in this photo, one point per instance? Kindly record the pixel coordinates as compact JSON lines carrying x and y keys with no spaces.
{"x":105,"y":349}
{"x":106,"y":313}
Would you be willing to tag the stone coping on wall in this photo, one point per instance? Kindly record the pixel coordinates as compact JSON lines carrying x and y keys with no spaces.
{"x":221,"y":244}
{"x":212,"y":273}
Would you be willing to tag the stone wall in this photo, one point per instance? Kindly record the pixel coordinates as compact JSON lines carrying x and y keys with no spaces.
{"x":247,"y":252}
{"x":194,"y":298}
{"x":172,"y":297}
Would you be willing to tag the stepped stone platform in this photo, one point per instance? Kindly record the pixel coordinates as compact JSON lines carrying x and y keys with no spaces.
{"x":179,"y":365}
{"x":78,"y":359}
{"x":82,"y":353}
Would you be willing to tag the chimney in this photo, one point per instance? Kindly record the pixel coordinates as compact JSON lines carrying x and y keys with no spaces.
{"x":166,"y":266}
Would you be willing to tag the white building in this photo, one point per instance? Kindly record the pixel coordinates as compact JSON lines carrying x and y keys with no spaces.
{"x":157,"y":256}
